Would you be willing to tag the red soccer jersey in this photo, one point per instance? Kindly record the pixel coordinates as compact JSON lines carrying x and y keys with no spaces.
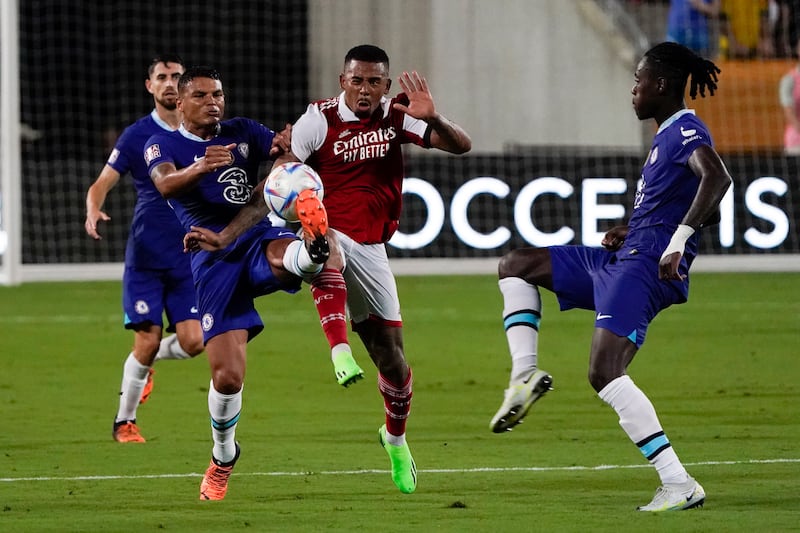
{"x":360,"y":162}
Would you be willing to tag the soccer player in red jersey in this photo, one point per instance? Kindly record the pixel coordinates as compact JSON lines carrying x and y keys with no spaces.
{"x":354,"y":141}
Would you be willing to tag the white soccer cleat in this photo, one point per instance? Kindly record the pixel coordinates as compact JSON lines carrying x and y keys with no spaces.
{"x":518,"y":400}
{"x":676,"y":497}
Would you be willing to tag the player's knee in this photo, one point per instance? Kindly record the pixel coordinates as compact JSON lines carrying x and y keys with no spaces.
{"x":507,"y":265}
{"x":193,"y":345}
{"x":600,"y":377}
{"x":146,"y":346}
{"x":227,"y":380}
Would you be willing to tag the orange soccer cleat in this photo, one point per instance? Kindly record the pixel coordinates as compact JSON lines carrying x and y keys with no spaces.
{"x":215,"y":481}
{"x":127,"y":431}
{"x":314,"y":219}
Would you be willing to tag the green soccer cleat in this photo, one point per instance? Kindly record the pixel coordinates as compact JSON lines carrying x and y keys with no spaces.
{"x":676,"y":497}
{"x":518,"y":400}
{"x":346,"y":369}
{"x":404,"y":471}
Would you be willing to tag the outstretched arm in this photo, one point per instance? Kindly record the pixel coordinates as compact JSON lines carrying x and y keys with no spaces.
{"x":714,"y":182}
{"x":446,"y":134}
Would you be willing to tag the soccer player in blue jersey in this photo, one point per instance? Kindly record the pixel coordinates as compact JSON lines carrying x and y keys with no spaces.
{"x":208,"y":170}
{"x":157,"y":278}
{"x":642,"y":268}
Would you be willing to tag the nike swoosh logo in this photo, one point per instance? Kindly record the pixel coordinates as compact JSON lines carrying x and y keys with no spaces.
{"x":198,"y":158}
{"x":602,"y":316}
{"x":687,"y":133}
{"x":193,"y":309}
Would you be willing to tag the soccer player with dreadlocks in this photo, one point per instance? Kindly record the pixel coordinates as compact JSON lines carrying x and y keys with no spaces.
{"x":641,"y":269}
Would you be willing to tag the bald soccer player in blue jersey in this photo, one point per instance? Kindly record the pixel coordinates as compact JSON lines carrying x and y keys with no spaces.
{"x":642,"y":268}
{"x":209,"y":171}
{"x":157,"y":278}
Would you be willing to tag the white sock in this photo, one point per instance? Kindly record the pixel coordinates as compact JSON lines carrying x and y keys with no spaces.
{"x":170,"y":348}
{"x":639,"y":420}
{"x":297,"y":261}
{"x":134,"y":378}
{"x":395,"y":440}
{"x":522,"y":309}
{"x":224,"y":410}
{"x":339,"y":348}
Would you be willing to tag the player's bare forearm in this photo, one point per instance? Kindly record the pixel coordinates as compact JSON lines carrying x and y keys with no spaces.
{"x":172,"y":182}
{"x":714,"y":183}
{"x":253,"y":212}
{"x":96,"y":197}
{"x":449,"y":136}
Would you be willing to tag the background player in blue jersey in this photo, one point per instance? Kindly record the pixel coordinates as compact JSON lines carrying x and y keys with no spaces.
{"x":209,"y":170}
{"x":642,"y":270}
{"x":157,"y":278}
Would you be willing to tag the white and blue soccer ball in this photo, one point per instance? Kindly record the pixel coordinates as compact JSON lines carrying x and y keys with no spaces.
{"x":284,"y":183}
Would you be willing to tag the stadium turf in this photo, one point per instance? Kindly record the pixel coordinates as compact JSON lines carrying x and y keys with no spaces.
{"x":722,"y":371}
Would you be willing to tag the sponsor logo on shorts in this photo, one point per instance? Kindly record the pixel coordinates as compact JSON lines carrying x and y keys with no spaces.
{"x":207,"y":321}
{"x":141,"y":307}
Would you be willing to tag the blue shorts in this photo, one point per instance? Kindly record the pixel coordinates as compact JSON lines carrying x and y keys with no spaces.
{"x":624,"y":291}
{"x":228,"y":282}
{"x":147,"y":294}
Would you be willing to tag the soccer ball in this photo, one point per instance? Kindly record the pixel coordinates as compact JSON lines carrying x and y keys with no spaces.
{"x":283,"y":185}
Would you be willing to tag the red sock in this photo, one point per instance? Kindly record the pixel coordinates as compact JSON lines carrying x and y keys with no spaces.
{"x":396,"y":403}
{"x":330,"y":296}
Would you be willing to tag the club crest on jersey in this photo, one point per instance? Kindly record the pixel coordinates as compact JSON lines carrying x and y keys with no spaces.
{"x":244,"y":149}
{"x":152,"y":152}
{"x":141,"y":307}
{"x":207,"y":321}
{"x":653,"y":155}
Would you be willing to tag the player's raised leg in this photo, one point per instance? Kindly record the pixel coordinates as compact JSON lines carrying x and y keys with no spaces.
{"x":522,"y":311}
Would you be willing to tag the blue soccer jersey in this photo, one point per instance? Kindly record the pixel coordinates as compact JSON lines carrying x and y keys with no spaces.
{"x":226,"y":281}
{"x":667,"y":188}
{"x":157,"y":276}
{"x":623,"y":287}
{"x":219,"y":195}
{"x":156,"y":237}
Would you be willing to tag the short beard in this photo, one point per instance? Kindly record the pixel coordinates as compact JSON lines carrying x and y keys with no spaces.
{"x":169,"y":106}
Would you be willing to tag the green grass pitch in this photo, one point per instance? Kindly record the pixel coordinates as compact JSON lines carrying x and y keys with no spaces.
{"x":722,"y":371}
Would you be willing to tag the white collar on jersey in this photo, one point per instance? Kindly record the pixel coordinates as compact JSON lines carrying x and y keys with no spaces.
{"x":189,"y":135}
{"x":160,"y":122}
{"x":678,"y":114}
{"x":347,"y":115}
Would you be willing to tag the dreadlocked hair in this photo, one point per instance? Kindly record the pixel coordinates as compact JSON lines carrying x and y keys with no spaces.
{"x":678,"y":62}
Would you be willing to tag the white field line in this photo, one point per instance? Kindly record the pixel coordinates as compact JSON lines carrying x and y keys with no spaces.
{"x":428,"y":471}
